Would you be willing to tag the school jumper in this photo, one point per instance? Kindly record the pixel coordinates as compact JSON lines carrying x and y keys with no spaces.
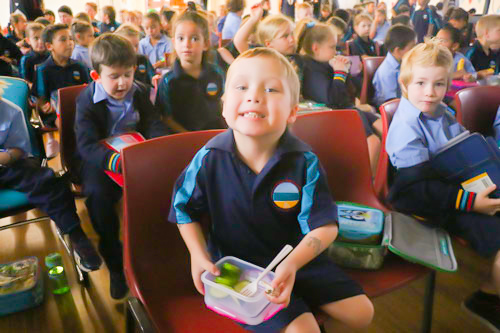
{"x":361,"y":47}
{"x":28,"y":63}
{"x":108,"y":27}
{"x":254,"y":215}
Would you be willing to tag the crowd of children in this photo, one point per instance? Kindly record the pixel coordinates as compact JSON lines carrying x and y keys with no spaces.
{"x":173,"y":71}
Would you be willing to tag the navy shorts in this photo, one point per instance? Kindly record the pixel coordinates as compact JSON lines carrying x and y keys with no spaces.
{"x":318,"y":283}
{"x":481,"y":231}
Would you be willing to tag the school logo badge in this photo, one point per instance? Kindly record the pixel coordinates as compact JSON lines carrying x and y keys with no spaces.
{"x":425,"y":17}
{"x":286,"y":195}
{"x":212,"y":89}
{"x":142,"y":69}
{"x":76,"y":75}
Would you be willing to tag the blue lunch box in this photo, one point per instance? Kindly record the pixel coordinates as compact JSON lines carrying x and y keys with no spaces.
{"x":359,"y":224}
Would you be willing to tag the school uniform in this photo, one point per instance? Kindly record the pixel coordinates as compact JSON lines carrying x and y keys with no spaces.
{"x":28,"y":63}
{"x":412,"y":141}
{"x":361,"y":47}
{"x":81,"y":54}
{"x":288,"y":8}
{"x":385,"y":81}
{"x":480,"y":60}
{"x":262,"y":212}
{"x":382,"y":32}
{"x":98,"y":117}
{"x":193,"y":103}
{"x":496,"y":125}
{"x":421,"y":20}
{"x":108,"y":27}
{"x":469,"y":68}
{"x":157,"y":52}
{"x":43,"y":189}
{"x":400,"y":3}
{"x":144,"y":71}
{"x":231,"y":25}
{"x":10,"y":50}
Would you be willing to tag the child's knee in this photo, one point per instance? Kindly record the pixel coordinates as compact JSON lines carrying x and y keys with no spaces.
{"x":365,"y":313}
{"x":355,"y":312}
{"x":305,"y":323}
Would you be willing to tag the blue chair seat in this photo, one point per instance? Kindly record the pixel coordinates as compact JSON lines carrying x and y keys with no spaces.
{"x":10,"y":199}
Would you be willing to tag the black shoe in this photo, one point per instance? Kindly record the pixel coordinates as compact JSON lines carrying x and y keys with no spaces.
{"x":485,"y":307}
{"x":117,"y":285}
{"x":86,"y":256}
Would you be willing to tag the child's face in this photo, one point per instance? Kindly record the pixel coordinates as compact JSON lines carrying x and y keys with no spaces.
{"x":90,"y":12}
{"x":427,"y":88}
{"x":131,"y":19}
{"x":493,"y":35}
{"x":21,"y":25}
{"x":116,"y":81}
{"x":189,"y":43}
{"x":106,"y":19}
{"x":284,"y":42}
{"x":370,"y":8}
{"x":50,"y":18}
{"x":152,"y":28}
{"x":257,"y":103}
{"x":444,"y":38}
{"x":62,"y":45}
{"x":35,"y":41}
{"x":325,"y":13}
{"x":325,"y":51}
{"x":363,"y":28}
{"x":65,"y":18}
{"x":303,"y":13}
{"x":458,"y":24}
{"x":165,"y":24}
{"x":85,"y":38}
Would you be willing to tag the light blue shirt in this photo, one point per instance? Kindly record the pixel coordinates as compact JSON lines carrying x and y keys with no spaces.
{"x":157,"y":52}
{"x":382,"y":32}
{"x":13,"y":130}
{"x":496,"y":125}
{"x":81,"y":54}
{"x":469,"y":68}
{"x":231,"y":25}
{"x":414,"y":137}
{"x":124,"y":117}
{"x":385,"y":80}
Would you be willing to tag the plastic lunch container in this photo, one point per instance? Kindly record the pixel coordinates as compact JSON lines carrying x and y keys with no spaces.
{"x":359,"y":224}
{"x":229,"y":303}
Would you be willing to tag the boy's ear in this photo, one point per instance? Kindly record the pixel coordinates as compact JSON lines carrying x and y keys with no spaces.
{"x":293,"y":115}
{"x":267,"y":43}
{"x":94,"y":75}
{"x":315,"y":47}
{"x":48,"y":46}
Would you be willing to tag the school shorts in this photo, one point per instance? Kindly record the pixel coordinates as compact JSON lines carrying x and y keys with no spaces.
{"x":368,"y":118}
{"x":482,"y":232}
{"x":318,"y":283}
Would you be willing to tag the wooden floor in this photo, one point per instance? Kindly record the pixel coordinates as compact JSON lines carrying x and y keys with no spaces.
{"x":92,"y":309}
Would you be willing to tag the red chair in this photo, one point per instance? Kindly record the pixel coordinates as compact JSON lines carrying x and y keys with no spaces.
{"x":477,"y":108}
{"x":387,"y":111}
{"x":370,"y":65}
{"x":338,"y":139}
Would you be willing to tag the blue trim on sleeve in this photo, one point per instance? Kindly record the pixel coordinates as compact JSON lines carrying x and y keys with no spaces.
{"x":184,"y":193}
{"x":22,"y":66}
{"x":163,"y":95}
{"x":40,"y":84}
{"x":312,"y":176}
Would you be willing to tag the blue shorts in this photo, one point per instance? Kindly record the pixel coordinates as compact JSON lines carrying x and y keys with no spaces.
{"x":318,"y":283}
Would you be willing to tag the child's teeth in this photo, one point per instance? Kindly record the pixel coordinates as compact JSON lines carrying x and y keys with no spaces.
{"x":251,"y":115}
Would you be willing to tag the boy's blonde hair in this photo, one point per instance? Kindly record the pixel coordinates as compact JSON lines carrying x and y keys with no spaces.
{"x":312,"y":32}
{"x":486,"y":23}
{"x":424,"y":54}
{"x":83,"y":17}
{"x":362,"y":17}
{"x":128,"y":30}
{"x":34,"y":27}
{"x":269,"y":27}
{"x":291,"y":75}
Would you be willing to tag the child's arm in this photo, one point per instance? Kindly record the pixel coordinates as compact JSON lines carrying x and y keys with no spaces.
{"x":486,"y":205}
{"x":150,"y":117}
{"x":192,"y":235}
{"x":240,"y":40}
{"x":309,"y":248}
{"x":225,"y":55}
{"x":165,"y":107}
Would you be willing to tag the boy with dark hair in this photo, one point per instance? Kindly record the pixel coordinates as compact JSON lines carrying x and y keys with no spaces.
{"x":404,"y":10}
{"x":399,"y":40}
{"x":402,"y":19}
{"x":483,"y":58}
{"x":65,"y":15}
{"x":38,"y":53}
{"x":108,"y":23}
{"x":459,"y":19}
{"x":450,"y":37}
{"x":50,"y":16}
{"x":111,"y":105}
{"x":233,"y":18}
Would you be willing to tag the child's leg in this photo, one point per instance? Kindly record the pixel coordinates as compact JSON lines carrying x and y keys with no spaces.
{"x":355,"y":312}
{"x":492,"y":285}
{"x":374,"y":146}
{"x":305,"y":323}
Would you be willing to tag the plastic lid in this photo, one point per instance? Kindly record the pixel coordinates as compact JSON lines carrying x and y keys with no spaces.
{"x":53,"y":259}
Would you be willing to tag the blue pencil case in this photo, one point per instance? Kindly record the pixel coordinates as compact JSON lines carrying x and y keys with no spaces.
{"x":21,"y":286}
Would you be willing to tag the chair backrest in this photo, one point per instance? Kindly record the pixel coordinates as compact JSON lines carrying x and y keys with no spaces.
{"x":348,"y":47}
{"x":67,"y":108}
{"x":338,"y":139}
{"x":16,"y":91}
{"x":370,"y":65}
{"x":477,"y":107}
{"x":387,"y":111}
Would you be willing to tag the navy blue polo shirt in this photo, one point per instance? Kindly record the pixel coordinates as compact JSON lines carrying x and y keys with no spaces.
{"x":193,"y":103}
{"x":28,"y":63}
{"x":10,"y":50}
{"x":50,"y":77}
{"x":421,"y":19}
{"x":144,"y":71}
{"x":254,"y":215}
{"x":481,"y":60}
{"x":361,"y":47}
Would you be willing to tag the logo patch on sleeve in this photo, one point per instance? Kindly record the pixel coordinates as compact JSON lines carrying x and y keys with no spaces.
{"x":142,"y":69}
{"x":212,"y":89}
{"x":76,"y":75}
{"x":286,"y":195}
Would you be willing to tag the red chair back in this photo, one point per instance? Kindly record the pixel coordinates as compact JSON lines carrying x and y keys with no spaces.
{"x":370,"y":65}
{"x":348,"y":47}
{"x":67,"y":108}
{"x":387,"y":111}
{"x":477,"y":108}
{"x":156,"y":260}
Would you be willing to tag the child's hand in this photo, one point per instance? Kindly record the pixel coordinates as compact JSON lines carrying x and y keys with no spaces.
{"x":198,"y":266}
{"x":160,"y":63}
{"x":340,"y":63}
{"x":256,"y":12}
{"x":283,"y":283}
{"x":486,"y":205}
{"x":468,"y":77}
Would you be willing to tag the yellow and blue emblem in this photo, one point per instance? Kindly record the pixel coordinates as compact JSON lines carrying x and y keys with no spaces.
{"x":212,"y":89}
{"x":286,"y":195}
{"x":142,"y":69}
{"x":76,"y":75}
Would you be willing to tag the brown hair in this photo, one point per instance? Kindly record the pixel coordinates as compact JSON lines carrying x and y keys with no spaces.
{"x":199,"y":19}
{"x":312,"y":32}
{"x":78,"y":27}
{"x":112,"y":50}
{"x":110,"y":11}
{"x":34,"y":27}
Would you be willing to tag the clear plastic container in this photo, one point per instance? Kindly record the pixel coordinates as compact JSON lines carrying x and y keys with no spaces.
{"x":229,"y":303}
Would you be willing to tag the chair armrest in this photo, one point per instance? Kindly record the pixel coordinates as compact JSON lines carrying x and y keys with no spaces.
{"x":137,"y":314}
